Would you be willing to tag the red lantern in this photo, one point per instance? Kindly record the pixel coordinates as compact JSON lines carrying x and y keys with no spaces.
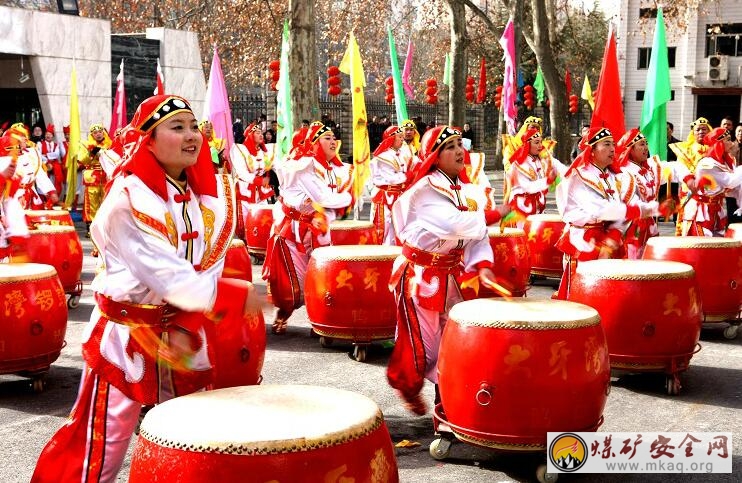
{"x":528,"y":88}
{"x":431,"y":83}
{"x":470,"y":80}
{"x":275,"y":75}
{"x":548,"y":103}
{"x":470,"y":96}
{"x":573,"y":102}
{"x":469,"y":88}
{"x":333,"y":81}
{"x":275,"y":67}
{"x":334,"y":90}
{"x":274,"y":86}
{"x":498,"y":98}
{"x":389,"y":81}
{"x":498,"y":89}
{"x":431,"y":91}
{"x":389,"y":98}
{"x":333,"y":70}
{"x":431,"y":99}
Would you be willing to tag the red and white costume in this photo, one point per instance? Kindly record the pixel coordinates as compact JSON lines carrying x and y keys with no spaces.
{"x":390,"y":175}
{"x":161,"y":244}
{"x":12,"y":219}
{"x":298,"y":226}
{"x":36,"y":187}
{"x":52,"y":155}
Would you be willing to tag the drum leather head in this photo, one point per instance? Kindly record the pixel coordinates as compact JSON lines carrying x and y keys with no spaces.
{"x":495,"y":231}
{"x":46,"y":229}
{"x":523,"y":314}
{"x":358,"y":253}
{"x":350,"y":225}
{"x":12,"y":272}
{"x":545,"y":217}
{"x":659,"y":242}
{"x":635,"y":269}
{"x":236,"y":242}
{"x":265,"y":419}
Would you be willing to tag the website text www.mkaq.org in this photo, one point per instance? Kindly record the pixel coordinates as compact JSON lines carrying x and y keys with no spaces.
{"x":661,"y":467}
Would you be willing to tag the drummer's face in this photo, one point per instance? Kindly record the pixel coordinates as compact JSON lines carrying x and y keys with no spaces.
{"x":640,"y":151}
{"x":398,"y":140}
{"x":451,"y":157}
{"x":535,"y":146}
{"x":700,"y":131}
{"x":603,"y":153}
{"x":328,"y":144}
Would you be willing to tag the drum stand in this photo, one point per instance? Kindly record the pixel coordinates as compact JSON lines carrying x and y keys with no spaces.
{"x":446,"y":435}
{"x":671,"y":366}
{"x":74,"y":301}
{"x":731,"y":330}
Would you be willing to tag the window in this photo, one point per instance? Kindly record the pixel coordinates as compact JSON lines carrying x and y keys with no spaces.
{"x":648,"y":13}
{"x":645,"y":54}
{"x":640,"y":95}
{"x":724,"y":39}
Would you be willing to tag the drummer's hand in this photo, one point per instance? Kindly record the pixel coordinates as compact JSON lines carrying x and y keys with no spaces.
{"x":504,"y":210}
{"x":179,"y":346}
{"x":692,"y":185}
{"x":255,"y":302}
{"x":8,"y":172}
{"x":53,"y":198}
{"x":487,"y":278}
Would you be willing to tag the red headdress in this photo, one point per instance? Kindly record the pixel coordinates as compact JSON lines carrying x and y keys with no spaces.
{"x":715,"y":141}
{"x":50,"y":128}
{"x":593,"y":137}
{"x":522,"y":153}
{"x":430,"y":146}
{"x":388,"y":140}
{"x":250,"y":139}
{"x":623,"y":148}
{"x":65,"y":129}
{"x":311,"y":146}
{"x":139,"y":160}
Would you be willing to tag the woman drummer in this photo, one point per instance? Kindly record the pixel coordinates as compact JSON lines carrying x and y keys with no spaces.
{"x":440,"y":221}
{"x":162,"y":232}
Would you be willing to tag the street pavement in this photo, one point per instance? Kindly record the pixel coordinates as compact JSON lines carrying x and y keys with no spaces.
{"x":710,"y":400}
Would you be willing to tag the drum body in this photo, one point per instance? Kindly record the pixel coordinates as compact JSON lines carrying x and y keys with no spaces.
{"x":237,"y":261}
{"x":353,"y":232}
{"x":511,"y":371}
{"x":718,"y":266}
{"x":258,"y":223}
{"x":237,"y":350}
{"x":346,"y":292}
{"x":265,"y":433}
{"x":543,"y":232}
{"x":34,"y":317}
{"x":650,"y":311}
{"x":512,"y":264}
{"x":734,"y":230}
{"x":58,"y":246}
{"x":48,"y":217}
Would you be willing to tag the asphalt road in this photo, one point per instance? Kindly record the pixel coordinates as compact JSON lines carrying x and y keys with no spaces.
{"x":710,"y":400}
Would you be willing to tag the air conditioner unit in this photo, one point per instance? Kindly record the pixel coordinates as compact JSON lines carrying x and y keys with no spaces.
{"x":718,"y":68}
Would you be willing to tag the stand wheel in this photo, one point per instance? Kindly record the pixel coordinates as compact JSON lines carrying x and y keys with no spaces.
{"x":440,"y":448}
{"x":731,"y":332}
{"x":313,"y":334}
{"x":37,"y":384}
{"x":359,"y":353}
{"x":255,"y":260}
{"x":325,"y":341}
{"x":672,"y":383}
{"x":73,"y":302}
{"x":543,"y":477}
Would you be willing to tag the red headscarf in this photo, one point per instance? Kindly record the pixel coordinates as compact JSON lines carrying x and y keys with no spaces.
{"x":430,"y":146}
{"x":522,"y":153}
{"x":715,"y":141}
{"x":623,"y":148}
{"x":139,"y":160}
{"x":593,"y":137}
{"x":311,"y":147}
{"x":387,"y":141}
{"x":249,"y":143}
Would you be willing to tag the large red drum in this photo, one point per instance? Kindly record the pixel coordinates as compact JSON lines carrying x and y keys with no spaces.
{"x":48,"y":217}
{"x":58,"y":246}
{"x":543,"y":232}
{"x":34,"y":318}
{"x":237,"y":261}
{"x":512,"y":264}
{"x":258,"y":223}
{"x":353,"y":232}
{"x":265,"y":433}
{"x":346,"y":292}
{"x":237,"y":350}
{"x":650,"y":311}
{"x":512,"y":370}
{"x":718,"y":266}
{"x":734,"y":230}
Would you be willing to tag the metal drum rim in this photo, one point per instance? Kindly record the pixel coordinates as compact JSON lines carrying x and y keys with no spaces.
{"x":236,"y":242}
{"x":590,"y":315}
{"x":585,"y":269}
{"x":545,"y":217}
{"x":694,"y":242}
{"x":330,"y":253}
{"x":45,"y":229}
{"x":348,"y":225}
{"x":508,"y":232}
{"x":40,"y":273}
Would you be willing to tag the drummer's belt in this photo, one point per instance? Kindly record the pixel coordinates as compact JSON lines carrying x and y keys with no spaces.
{"x":135,"y":315}
{"x":710,"y":200}
{"x":305,"y":224}
{"x":94,"y":176}
{"x":445,"y":261}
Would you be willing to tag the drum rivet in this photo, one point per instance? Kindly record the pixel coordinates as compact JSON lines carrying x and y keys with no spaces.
{"x":124,"y":313}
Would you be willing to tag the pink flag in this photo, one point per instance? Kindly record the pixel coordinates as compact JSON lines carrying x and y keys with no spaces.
{"x":216,"y":108}
{"x":509,"y":87}
{"x":406,"y":70}
{"x":482,"y":88}
{"x":118,"y":117}
{"x":160,"y":89}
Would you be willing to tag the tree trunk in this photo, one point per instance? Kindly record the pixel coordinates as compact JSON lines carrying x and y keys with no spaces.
{"x":541,"y":46}
{"x":459,"y":42}
{"x":303,"y":61}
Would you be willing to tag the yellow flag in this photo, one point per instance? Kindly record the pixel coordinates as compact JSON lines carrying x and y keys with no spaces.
{"x":353,"y":66}
{"x":587,"y":93}
{"x":74,"y":144}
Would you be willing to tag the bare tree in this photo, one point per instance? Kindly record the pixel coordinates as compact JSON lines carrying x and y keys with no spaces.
{"x":303,"y":61}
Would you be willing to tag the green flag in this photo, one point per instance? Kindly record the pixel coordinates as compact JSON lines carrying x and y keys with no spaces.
{"x":400,"y":104}
{"x":447,"y":71}
{"x":285,"y":128}
{"x":654,"y":108}
{"x":538,"y":84}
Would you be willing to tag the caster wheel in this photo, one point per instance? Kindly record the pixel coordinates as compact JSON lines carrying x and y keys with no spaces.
{"x":37,"y":384}
{"x":313,"y":334}
{"x":440,"y":448}
{"x":543,"y":477}
{"x":731,"y":332}
{"x":359,"y":353}
{"x":255,"y":260}
{"x":73,"y":302}
{"x":325,"y":341}
{"x":672,"y":384}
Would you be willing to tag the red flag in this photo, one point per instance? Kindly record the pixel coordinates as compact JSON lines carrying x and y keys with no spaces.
{"x":608,"y":106}
{"x":482,"y":90}
{"x":160,"y":90}
{"x":568,"y":82}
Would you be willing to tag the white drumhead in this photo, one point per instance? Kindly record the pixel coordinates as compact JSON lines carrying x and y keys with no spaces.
{"x":545,"y":217}
{"x":350,"y":225}
{"x":659,"y":242}
{"x":51,"y":229}
{"x":262,"y":419}
{"x":635,"y":269}
{"x":11,"y":272}
{"x":356,"y":252}
{"x":236,"y":242}
{"x":524,"y":314}
{"x":47,"y":212}
{"x":496,"y":232}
